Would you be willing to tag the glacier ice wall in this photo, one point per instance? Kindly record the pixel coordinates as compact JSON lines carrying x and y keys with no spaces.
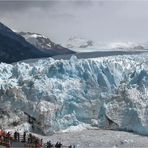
{"x":109,"y":92}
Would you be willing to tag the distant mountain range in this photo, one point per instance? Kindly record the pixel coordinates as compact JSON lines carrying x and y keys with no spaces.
{"x":16,"y":47}
{"x":85,"y":45}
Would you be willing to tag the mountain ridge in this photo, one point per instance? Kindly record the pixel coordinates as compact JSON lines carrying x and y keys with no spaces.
{"x":44,"y":43}
{"x":14,"y":47}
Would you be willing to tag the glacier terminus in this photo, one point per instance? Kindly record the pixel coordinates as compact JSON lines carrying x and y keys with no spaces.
{"x":105,"y":92}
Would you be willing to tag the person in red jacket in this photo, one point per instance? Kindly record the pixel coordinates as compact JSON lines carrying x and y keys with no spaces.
{"x":37,"y":144}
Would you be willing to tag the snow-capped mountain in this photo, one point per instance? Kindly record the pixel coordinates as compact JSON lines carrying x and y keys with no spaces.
{"x":84,"y":45}
{"x":13,"y":47}
{"x":109,"y":92}
{"x":44,"y":44}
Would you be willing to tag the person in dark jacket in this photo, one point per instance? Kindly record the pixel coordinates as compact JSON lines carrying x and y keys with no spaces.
{"x":49,"y":145}
{"x":58,"y":145}
{"x":30,"y":138}
{"x":15,"y":135}
{"x":24,"y":137}
{"x":18,"y":136}
{"x":41,"y":142}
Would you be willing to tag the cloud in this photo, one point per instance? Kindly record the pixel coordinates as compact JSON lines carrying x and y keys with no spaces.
{"x":97,"y":20}
{"x":15,"y":6}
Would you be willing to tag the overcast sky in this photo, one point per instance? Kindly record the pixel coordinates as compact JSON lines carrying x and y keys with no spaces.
{"x":102,"y":21}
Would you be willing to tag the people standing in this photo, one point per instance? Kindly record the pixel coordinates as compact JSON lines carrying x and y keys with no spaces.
{"x":15,"y":135}
{"x":24,"y":137}
{"x":18,"y":136}
{"x":58,"y":145}
{"x":30,"y":138}
{"x":41,"y":142}
{"x":49,"y":145}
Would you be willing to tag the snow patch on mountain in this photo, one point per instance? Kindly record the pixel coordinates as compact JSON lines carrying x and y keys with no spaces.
{"x":107,"y":92}
{"x":44,"y":44}
{"x":37,"y":40}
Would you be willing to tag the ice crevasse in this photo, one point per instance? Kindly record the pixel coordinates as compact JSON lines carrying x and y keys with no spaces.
{"x":107,"y":92}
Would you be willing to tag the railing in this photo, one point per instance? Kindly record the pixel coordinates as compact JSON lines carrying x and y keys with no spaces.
{"x":27,"y":140}
{"x":5,"y":140}
{"x":30,"y":140}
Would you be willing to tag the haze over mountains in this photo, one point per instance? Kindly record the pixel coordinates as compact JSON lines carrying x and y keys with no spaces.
{"x":87,"y":45}
{"x":14,"y":47}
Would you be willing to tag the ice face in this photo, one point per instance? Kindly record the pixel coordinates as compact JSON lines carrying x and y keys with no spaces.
{"x":109,"y":92}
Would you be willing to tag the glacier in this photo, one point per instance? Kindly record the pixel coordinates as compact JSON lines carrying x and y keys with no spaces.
{"x":105,"y":92}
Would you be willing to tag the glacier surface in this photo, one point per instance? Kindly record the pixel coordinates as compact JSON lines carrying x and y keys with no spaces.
{"x":107,"y":92}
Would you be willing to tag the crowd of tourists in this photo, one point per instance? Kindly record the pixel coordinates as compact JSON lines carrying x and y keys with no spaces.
{"x":6,"y":139}
{"x":29,"y":140}
{"x":57,"y":145}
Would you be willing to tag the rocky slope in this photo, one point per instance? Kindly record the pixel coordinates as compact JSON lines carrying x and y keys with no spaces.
{"x":14,"y":48}
{"x":44,"y":44}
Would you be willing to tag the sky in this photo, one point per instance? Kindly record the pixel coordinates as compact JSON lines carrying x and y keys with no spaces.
{"x":101,"y":21}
